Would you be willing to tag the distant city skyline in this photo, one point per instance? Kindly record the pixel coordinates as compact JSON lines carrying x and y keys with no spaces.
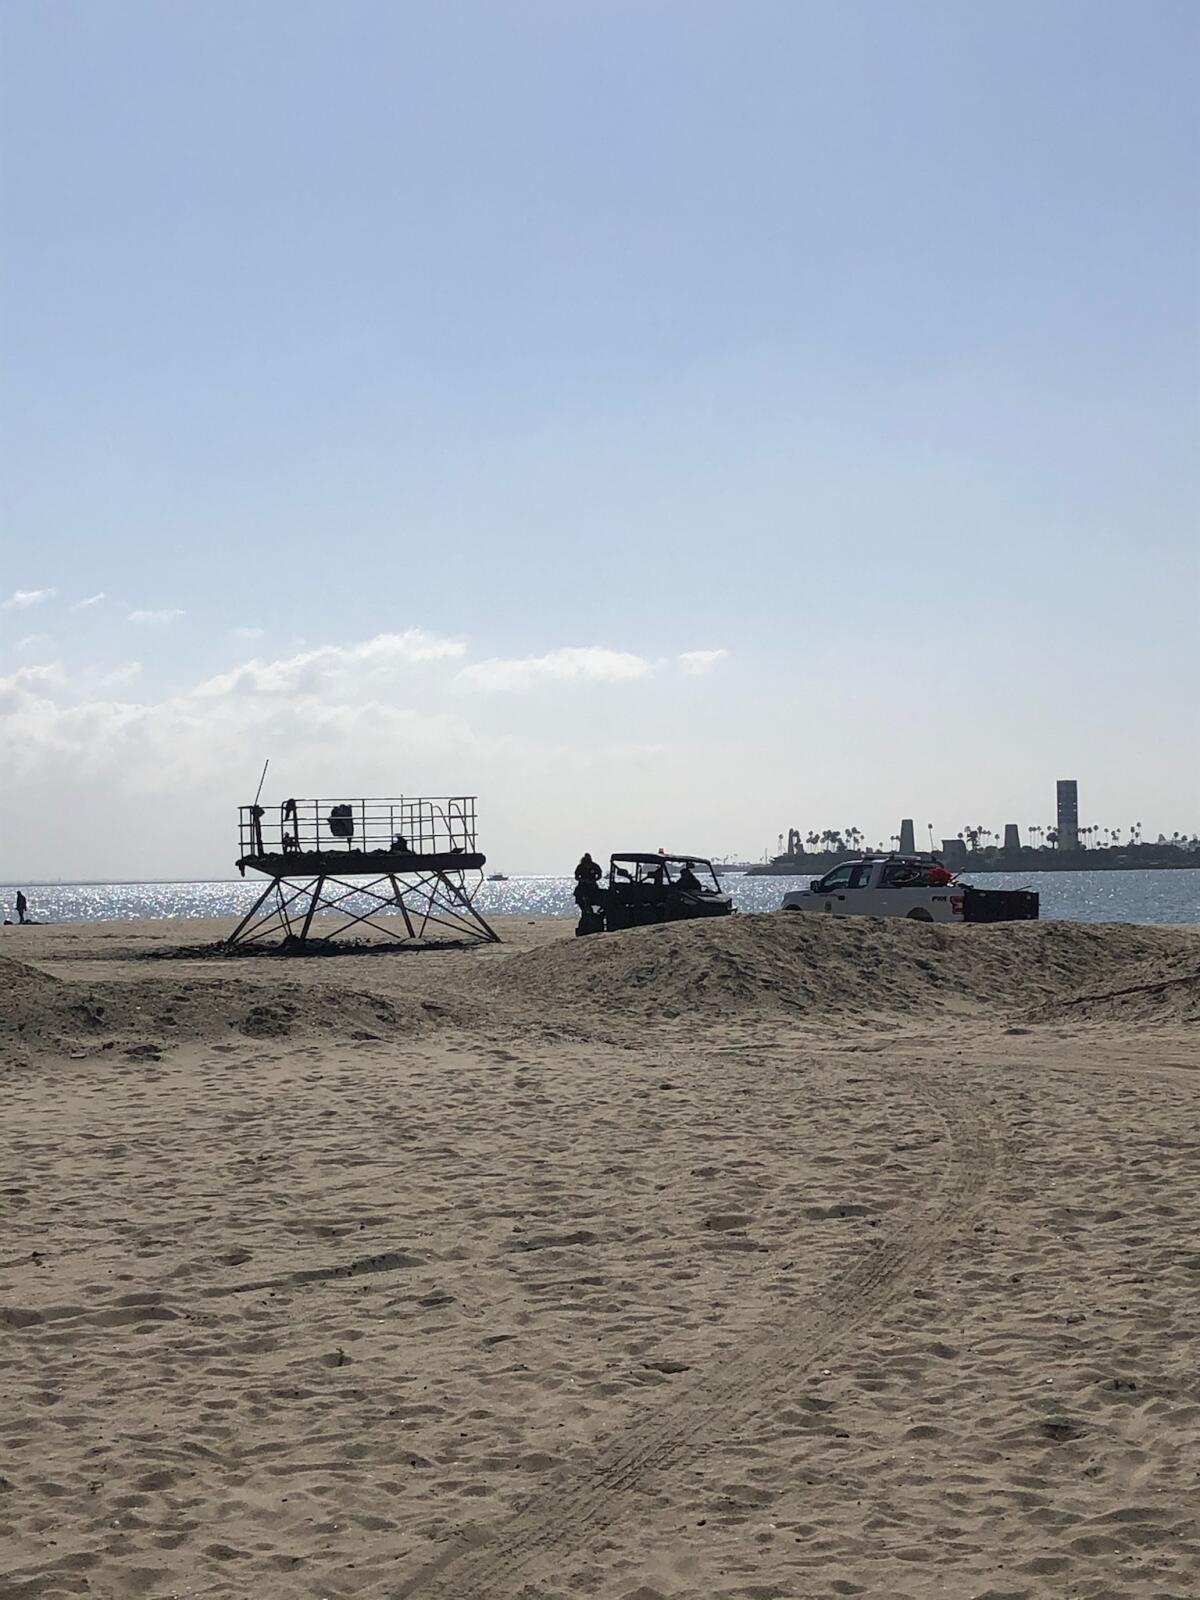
{"x":1063,"y":833}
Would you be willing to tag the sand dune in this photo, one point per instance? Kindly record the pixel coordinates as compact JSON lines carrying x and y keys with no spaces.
{"x":43,"y":1013}
{"x":764,"y":1260}
{"x":789,"y":964}
{"x":1164,"y":987}
{"x":18,"y":979}
{"x":763,"y":966}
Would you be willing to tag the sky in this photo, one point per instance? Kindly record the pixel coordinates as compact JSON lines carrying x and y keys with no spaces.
{"x":671,"y":421}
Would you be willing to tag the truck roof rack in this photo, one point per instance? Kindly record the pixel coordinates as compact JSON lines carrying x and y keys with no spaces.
{"x":920,"y":858}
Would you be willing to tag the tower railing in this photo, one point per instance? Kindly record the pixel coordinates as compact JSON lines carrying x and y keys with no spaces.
{"x":422,"y":825}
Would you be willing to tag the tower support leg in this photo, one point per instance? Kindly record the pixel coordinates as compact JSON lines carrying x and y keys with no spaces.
{"x":312,"y":906}
{"x":426,"y":900}
{"x":251,"y":914}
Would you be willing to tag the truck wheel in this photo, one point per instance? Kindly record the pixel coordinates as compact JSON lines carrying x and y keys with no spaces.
{"x":919,"y":914}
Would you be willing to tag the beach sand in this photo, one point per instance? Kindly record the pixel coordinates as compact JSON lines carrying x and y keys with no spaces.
{"x":775,"y":1257}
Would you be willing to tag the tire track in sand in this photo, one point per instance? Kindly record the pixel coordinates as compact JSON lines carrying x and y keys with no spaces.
{"x":497,"y":1565}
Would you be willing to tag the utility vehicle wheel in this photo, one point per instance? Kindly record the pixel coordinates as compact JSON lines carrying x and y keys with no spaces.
{"x":919,"y":914}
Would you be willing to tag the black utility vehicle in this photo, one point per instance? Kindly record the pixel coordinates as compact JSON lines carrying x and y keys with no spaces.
{"x":648,"y":887}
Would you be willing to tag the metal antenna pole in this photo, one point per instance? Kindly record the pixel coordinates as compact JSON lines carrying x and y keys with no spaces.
{"x":256,"y":812}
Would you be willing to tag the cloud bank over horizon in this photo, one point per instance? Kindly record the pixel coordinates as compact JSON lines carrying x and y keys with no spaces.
{"x":382,"y":715}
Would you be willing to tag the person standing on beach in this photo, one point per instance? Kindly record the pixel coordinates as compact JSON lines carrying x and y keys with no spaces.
{"x":22,"y":904}
{"x":587,"y":876}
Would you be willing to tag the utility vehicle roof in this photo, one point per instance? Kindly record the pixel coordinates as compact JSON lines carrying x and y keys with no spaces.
{"x":653,"y":856}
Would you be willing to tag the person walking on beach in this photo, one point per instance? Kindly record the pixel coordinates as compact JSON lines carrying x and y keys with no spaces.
{"x":22,"y":905}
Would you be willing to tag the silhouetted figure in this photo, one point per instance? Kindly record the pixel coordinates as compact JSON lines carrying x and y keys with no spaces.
{"x":256,"y":816}
{"x":587,"y":875}
{"x":22,"y":905}
{"x":291,"y":845}
{"x":688,"y":881}
{"x":400,"y":845}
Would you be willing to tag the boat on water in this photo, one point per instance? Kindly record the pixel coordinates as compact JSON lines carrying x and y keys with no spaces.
{"x":497,"y":877}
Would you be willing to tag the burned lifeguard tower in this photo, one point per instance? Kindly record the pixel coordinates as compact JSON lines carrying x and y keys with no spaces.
{"x":408,"y":869}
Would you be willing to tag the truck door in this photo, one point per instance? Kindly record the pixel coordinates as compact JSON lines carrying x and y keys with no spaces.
{"x":861,"y":898}
{"x":834,"y":889}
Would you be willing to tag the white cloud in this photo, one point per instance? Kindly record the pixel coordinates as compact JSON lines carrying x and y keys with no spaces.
{"x":120,"y":677}
{"x":57,"y":730}
{"x":25,"y":687}
{"x":587,"y":664}
{"x":346,"y":665}
{"x":92,"y":600}
{"x":155,"y":618}
{"x":33,"y":641}
{"x":34,"y":680}
{"x":22,"y":599}
{"x":698,"y":662}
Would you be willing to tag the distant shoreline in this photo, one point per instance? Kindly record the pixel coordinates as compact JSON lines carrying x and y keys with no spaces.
{"x":795,"y":867}
{"x":995,"y":861}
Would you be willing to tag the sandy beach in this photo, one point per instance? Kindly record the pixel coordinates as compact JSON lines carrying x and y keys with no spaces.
{"x":776,"y":1257}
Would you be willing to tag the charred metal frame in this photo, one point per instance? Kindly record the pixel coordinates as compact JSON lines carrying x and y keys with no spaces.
{"x":414,"y":857}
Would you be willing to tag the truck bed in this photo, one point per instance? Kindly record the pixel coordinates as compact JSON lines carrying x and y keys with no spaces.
{"x":999,"y":905}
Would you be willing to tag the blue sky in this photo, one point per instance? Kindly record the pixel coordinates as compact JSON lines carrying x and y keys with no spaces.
{"x":853,"y":346}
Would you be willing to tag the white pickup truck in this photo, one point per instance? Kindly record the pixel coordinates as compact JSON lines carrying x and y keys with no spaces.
{"x":901,"y":886}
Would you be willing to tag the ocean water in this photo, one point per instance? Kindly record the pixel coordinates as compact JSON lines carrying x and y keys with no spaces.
{"x":1165,"y":897}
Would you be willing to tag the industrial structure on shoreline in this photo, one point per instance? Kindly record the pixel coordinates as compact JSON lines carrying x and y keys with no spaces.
{"x":1065,"y":846}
